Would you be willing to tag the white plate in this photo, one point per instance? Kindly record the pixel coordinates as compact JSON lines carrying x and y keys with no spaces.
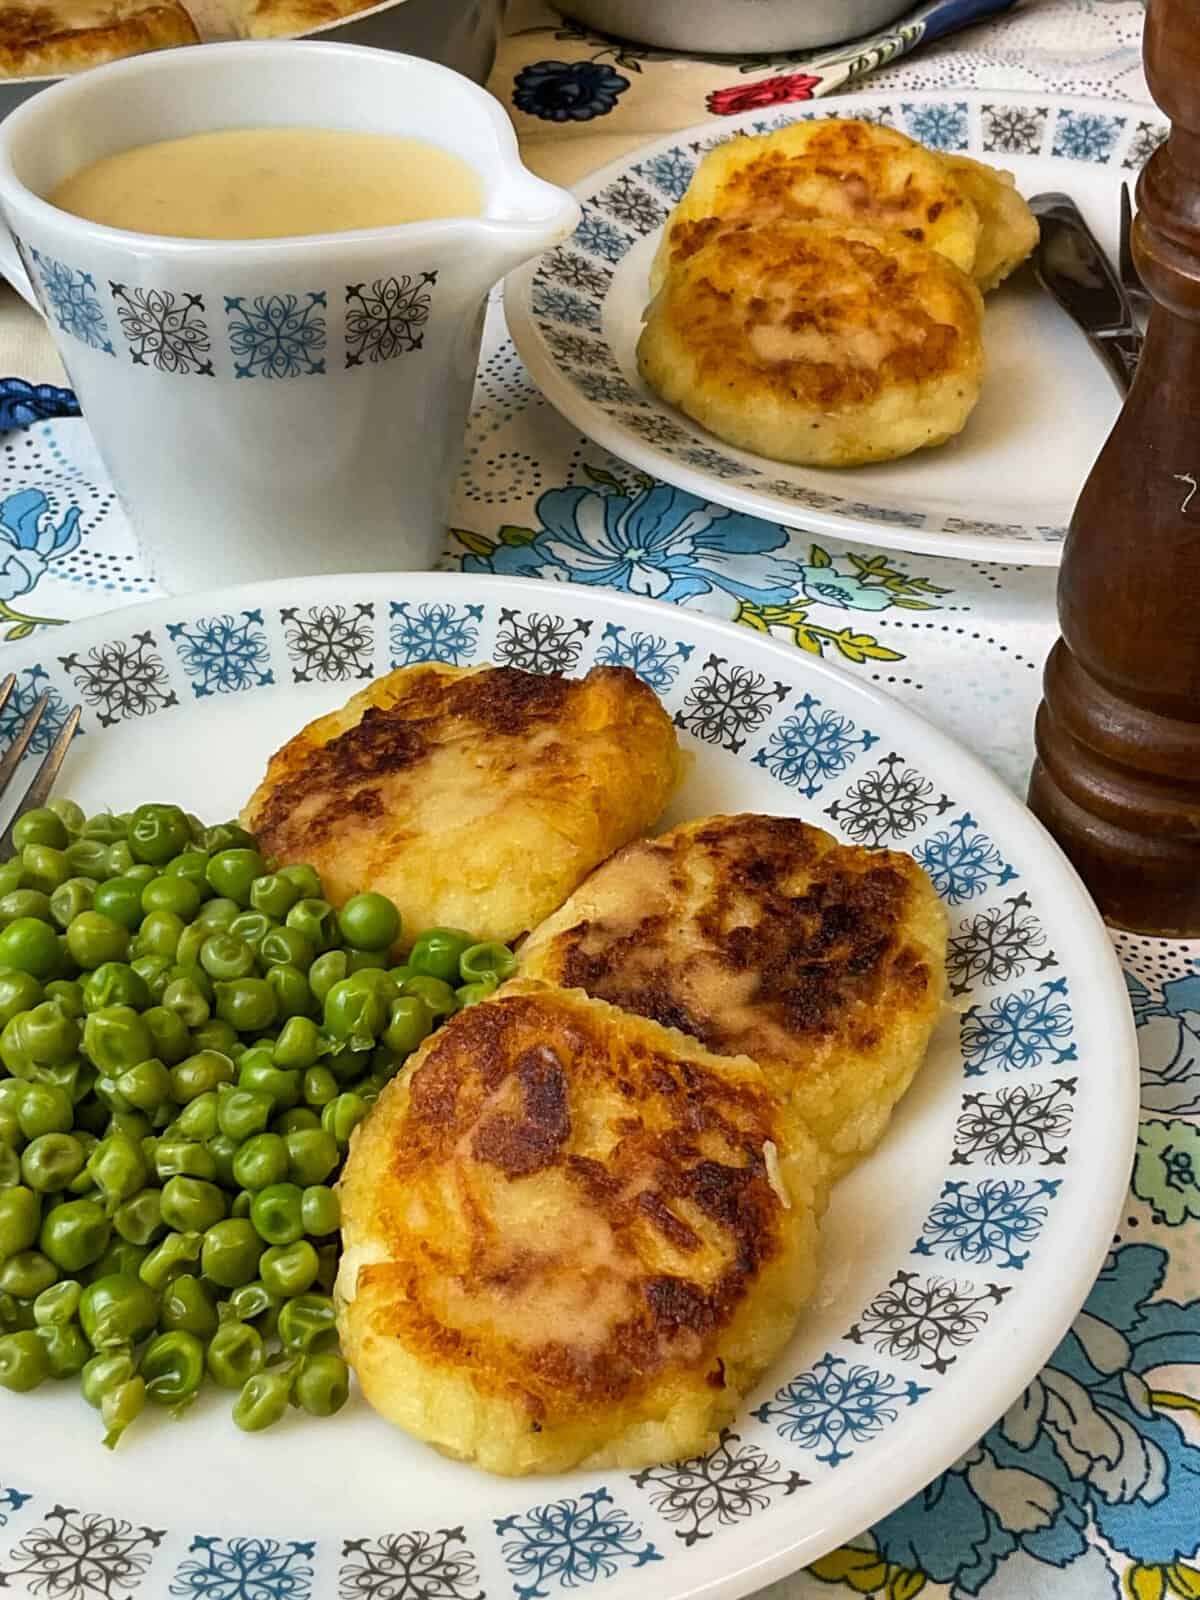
{"x":1004,"y":489}
{"x":949,"y":1276}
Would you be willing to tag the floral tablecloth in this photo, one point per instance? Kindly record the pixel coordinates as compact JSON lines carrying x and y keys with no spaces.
{"x":1089,"y":1487}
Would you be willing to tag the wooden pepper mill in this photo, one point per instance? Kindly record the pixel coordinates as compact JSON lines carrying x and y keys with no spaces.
{"x":1117,"y":774}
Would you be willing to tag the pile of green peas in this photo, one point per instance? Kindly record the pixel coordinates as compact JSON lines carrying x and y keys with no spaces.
{"x":188,"y":1037}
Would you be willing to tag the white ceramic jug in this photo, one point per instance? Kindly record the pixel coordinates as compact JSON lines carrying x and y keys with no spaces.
{"x":279,"y":406}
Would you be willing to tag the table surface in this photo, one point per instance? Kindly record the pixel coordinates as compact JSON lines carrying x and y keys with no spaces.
{"x":1090,"y":1487}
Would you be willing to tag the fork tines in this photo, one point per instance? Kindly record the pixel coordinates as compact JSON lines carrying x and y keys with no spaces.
{"x":38,"y":791}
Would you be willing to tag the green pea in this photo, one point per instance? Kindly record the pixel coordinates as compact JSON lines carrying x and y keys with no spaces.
{"x":19,"y":991}
{"x":247,"y":1004}
{"x":83,"y":1182}
{"x":19,"y":903}
{"x":241,"y":1203}
{"x":470,"y":994}
{"x":70,"y":898}
{"x":437,"y":952}
{"x":10,"y":1161}
{"x":232,"y":872}
{"x":252,"y":1302}
{"x":201,"y":1073}
{"x":26,"y":1274}
{"x":217,"y":1035}
{"x":281,"y":1084}
{"x":298,"y":1044}
{"x":198,"y":1120}
{"x":119,"y":1169}
{"x":43,"y":1037}
{"x":57,"y":1304}
{"x":224,"y":955}
{"x":10,"y":875}
{"x":293,"y":1120}
{"x":30,"y":945}
{"x":306,"y":879}
{"x":190,"y":865}
{"x":409,"y":1022}
{"x":316,"y":919}
{"x":341,"y":1116}
{"x":173,"y":1368}
{"x":43,"y":868}
{"x":326,"y":971}
{"x":293,"y":997}
{"x":437,"y":994}
{"x":68,"y":994}
{"x":235,"y":1354}
{"x":175,"y":1254}
{"x":117,"y":1310}
{"x":70,"y":814}
{"x":156,"y":973}
{"x":105,"y":1372}
{"x":275,"y":1212}
{"x":88,"y":858}
{"x":44,"y":1108}
{"x":133,"y":1124}
{"x":140,"y":1219}
{"x":489,"y":960}
{"x":289,"y":1269}
{"x":94,"y":938}
{"x":120,"y":1256}
{"x":174,"y":894}
{"x":51,"y":1161}
{"x":158,"y":832}
{"x":159,"y":935}
{"x":120,"y":900}
{"x":261,"y":1162}
{"x":146,"y":1086}
{"x":320,"y":1210}
{"x":263,"y":1400}
{"x":115,"y":1037}
{"x":370,"y":961}
{"x":184,"y":1158}
{"x":241,"y":1113}
{"x":105,"y":826}
{"x":217,"y":913}
{"x":191,"y":1204}
{"x":24,"y":1363}
{"x":322,"y":1385}
{"x":223,"y":1149}
{"x":114,"y":983}
{"x":312,"y":1155}
{"x":120,"y":1406}
{"x":39,"y":826}
{"x":274,"y":895}
{"x":15,"y":1315}
{"x":286,"y":947}
{"x":67,"y":1351}
{"x":307,"y":1322}
{"x":320,"y":1087}
{"x":253,"y":927}
{"x":191,"y":942}
{"x":231,"y":1252}
{"x":355,"y":1014}
{"x":186,"y":999}
{"x":188,"y":1306}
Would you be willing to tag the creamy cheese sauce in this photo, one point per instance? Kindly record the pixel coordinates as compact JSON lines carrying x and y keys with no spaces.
{"x":272,"y":183}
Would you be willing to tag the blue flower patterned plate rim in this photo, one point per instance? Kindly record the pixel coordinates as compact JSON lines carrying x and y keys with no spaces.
{"x":1004,"y":489}
{"x":956,"y":1255}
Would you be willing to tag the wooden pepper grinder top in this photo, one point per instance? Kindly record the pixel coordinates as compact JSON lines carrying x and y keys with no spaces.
{"x":1117,"y":775}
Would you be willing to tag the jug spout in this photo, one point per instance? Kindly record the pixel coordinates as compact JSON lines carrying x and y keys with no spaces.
{"x":525,"y":218}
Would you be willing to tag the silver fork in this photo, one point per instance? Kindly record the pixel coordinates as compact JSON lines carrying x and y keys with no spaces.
{"x":38,"y":791}
{"x":1131,"y":278}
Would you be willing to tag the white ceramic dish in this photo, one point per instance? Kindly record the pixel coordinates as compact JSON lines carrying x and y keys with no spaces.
{"x":956,"y":1256}
{"x":1004,"y":489}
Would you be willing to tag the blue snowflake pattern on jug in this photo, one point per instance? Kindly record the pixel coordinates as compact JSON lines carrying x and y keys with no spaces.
{"x":432,"y":632}
{"x":245,"y":1569}
{"x":30,"y":539}
{"x":22,"y":403}
{"x":654,"y":541}
{"x":600,"y":237}
{"x":11,"y":1500}
{"x":1092,"y":1441}
{"x":962,"y":861}
{"x":73,"y":302}
{"x":1086,"y":136}
{"x":812,"y":746}
{"x":653,"y":658}
{"x":1169,"y":1043}
{"x":670,"y":170}
{"x":834,"y":1406}
{"x":941,"y":126}
{"x":571,"y":1542}
{"x":32,"y":683}
{"x":223,"y":655}
{"x":276,"y":335}
{"x":984,"y":1222}
{"x":1018,"y":1031}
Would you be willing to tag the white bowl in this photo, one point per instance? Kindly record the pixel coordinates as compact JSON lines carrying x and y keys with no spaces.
{"x":735,"y":27}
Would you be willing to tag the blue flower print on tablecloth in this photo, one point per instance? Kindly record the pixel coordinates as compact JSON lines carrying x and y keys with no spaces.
{"x":22,"y":403}
{"x":32,"y":536}
{"x":1169,"y":1044}
{"x":567,"y":91}
{"x":1094,"y":1440}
